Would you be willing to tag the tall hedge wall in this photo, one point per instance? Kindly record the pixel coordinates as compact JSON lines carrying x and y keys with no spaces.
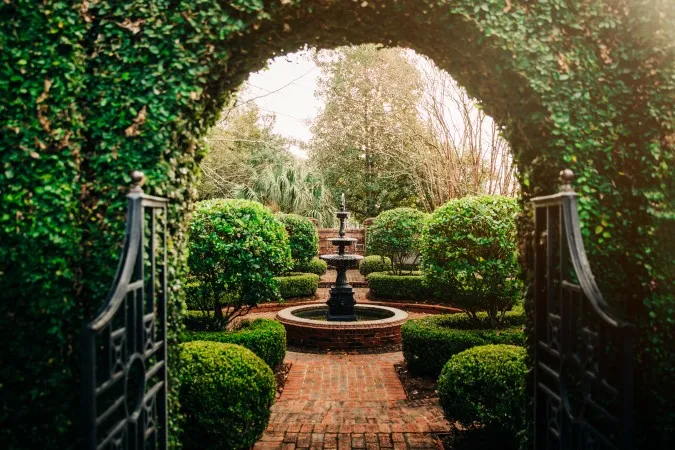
{"x":91,"y":90}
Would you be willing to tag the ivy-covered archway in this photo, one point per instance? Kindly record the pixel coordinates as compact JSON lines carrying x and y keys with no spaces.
{"x":92,"y":90}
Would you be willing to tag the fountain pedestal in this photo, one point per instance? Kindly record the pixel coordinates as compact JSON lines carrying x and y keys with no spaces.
{"x":341,"y":302}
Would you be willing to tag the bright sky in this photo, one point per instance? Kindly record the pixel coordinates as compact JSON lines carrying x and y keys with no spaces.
{"x":286,"y":88}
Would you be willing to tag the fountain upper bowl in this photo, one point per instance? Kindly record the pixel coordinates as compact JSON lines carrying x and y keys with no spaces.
{"x":342,"y":240}
{"x":335,"y":257}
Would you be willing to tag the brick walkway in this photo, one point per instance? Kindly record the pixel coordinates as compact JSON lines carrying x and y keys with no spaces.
{"x":350,"y":402}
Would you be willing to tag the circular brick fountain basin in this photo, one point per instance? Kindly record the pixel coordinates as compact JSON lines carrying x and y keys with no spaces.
{"x":361,"y":334}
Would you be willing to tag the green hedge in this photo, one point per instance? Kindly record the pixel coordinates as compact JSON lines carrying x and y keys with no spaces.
{"x":226,"y":393}
{"x":298,"y":284}
{"x":486,"y":384}
{"x":385,"y":285}
{"x":195,"y":320}
{"x":314,"y":265}
{"x":428,"y":343}
{"x":264,"y":337}
{"x":374,"y":263}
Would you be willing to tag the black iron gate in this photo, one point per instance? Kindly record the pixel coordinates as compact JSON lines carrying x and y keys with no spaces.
{"x":124,"y":377}
{"x":583,"y":375}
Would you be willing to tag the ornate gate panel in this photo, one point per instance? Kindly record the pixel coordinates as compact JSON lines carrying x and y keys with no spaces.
{"x":124,"y":373}
{"x":583,"y":374}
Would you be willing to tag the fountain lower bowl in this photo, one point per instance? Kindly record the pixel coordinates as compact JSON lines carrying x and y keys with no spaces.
{"x":379,"y":327}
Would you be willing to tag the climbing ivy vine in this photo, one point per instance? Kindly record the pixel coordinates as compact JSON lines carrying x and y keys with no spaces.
{"x":94,"y":89}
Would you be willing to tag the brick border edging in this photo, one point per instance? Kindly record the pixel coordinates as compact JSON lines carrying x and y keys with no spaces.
{"x":425,"y":308}
{"x":417,"y":307}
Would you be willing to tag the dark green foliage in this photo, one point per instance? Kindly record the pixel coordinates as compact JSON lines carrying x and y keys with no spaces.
{"x":409,"y":286}
{"x":297,"y":284}
{"x":374,"y":263}
{"x":201,"y":321}
{"x":315,"y":265}
{"x":236,"y":247}
{"x":302,"y":237}
{"x":397,"y":235}
{"x":264,"y":337}
{"x":429,"y":342}
{"x":470,"y":254}
{"x":486,"y":384}
{"x":226,"y":393}
{"x":193,"y":298}
{"x":93,"y":91}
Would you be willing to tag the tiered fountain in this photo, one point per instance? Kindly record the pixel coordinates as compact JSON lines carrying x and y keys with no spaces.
{"x":341,"y":302}
{"x":340,"y":323}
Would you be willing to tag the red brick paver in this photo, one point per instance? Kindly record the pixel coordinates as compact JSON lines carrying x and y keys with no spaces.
{"x":350,"y":402}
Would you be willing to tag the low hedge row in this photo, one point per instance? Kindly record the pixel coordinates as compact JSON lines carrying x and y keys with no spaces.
{"x":486,"y":384}
{"x":398,"y":287}
{"x":428,"y":343}
{"x":297,"y":284}
{"x":226,"y":392}
{"x":374,"y":263}
{"x":315,"y":265}
{"x":264,"y":337}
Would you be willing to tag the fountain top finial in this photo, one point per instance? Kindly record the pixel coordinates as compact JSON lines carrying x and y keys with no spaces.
{"x":342,"y":202}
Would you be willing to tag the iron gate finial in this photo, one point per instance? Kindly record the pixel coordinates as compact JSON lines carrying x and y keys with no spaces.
{"x":138,"y":179}
{"x":567,"y":177}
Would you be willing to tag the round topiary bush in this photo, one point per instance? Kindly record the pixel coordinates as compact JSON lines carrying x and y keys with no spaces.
{"x":470,"y":254}
{"x":297,"y":284}
{"x":374,"y":263}
{"x":397,"y":234}
{"x":225,"y":395}
{"x":302,"y":237}
{"x":264,"y":337}
{"x":429,"y":342}
{"x":486,"y":384}
{"x":315,"y":265}
{"x":236,"y":248}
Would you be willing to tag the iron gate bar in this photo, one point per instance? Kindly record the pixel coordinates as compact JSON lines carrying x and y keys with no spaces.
{"x":576,"y":335}
{"x":126,"y":342}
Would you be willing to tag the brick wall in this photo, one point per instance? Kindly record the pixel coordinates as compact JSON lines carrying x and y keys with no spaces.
{"x":325,"y":234}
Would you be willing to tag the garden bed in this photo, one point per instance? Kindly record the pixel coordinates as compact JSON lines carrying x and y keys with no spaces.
{"x":416,"y":387}
{"x":281,"y":375}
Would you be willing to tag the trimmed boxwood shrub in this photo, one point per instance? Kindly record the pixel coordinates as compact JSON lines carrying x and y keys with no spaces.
{"x":470,"y":254}
{"x":303,"y":237}
{"x":225,"y":395}
{"x":297,"y":284}
{"x":429,"y":342}
{"x":486,"y":384}
{"x":236,"y":247}
{"x":195,"y":320}
{"x":314,"y":265}
{"x":397,"y":235}
{"x":264,"y":337}
{"x":386,"y":285}
{"x":374,"y":263}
